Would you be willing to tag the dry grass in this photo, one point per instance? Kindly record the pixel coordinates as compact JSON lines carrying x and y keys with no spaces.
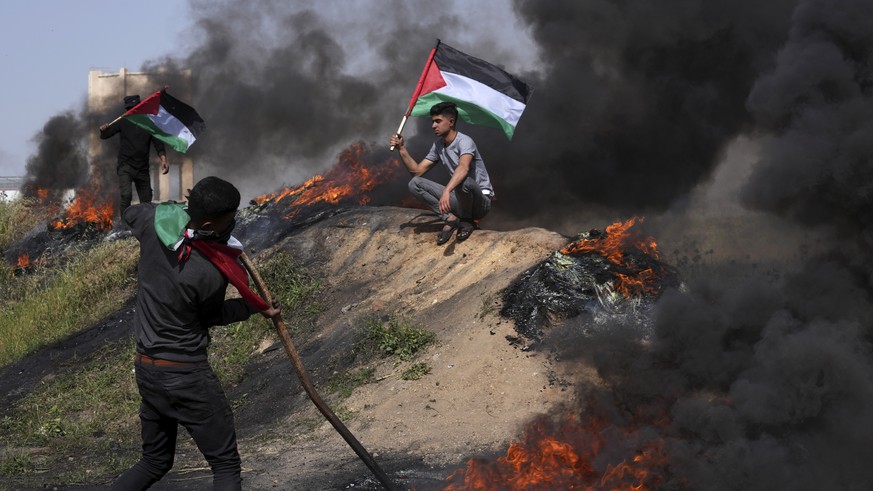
{"x":48,"y":304}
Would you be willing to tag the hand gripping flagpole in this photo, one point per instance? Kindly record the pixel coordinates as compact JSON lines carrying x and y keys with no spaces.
{"x":417,"y":90}
{"x":291,"y":351}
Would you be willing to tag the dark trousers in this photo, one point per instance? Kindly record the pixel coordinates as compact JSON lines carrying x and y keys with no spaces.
{"x":141,"y":178}
{"x":467,"y":201}
{"x":190,"y":396}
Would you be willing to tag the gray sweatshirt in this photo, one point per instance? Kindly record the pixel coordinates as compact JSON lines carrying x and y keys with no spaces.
{"x":177,"y":303}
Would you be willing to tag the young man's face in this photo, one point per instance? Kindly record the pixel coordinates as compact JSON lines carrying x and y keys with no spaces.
{"x":442,"y":125}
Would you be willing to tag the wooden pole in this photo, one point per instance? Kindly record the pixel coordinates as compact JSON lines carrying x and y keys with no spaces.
{"x":115,"y":120}
{"x":291,"y":351}
{"x":399,"y":130}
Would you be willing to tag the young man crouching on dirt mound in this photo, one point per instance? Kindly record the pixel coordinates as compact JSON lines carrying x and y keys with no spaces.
{"x":467,"y":197}
{"x":186,"y":257}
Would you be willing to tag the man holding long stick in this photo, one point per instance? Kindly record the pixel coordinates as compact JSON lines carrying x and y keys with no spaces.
{"x":187,"y":257}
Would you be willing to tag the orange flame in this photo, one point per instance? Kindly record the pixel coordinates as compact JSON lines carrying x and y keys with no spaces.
{"x":544,"y":461}
{"x":351,"y":180}
{"x":614,"y":247}
{"x":23,"y":260}
{"x":43,"y":195}
{"x":638,"y":471}
{"x":85,"y":209}
{"x":288,"y":192}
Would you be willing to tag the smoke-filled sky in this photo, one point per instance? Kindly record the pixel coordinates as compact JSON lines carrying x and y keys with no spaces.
{"x":635,"y":103}
{"x":48,"y":46}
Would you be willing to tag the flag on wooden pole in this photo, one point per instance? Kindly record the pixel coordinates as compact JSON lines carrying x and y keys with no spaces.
{"x":484,"y":93}
{"x":167,"y":119}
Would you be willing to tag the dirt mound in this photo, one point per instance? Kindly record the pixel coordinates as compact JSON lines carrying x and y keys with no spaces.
{"x":483,"y":387}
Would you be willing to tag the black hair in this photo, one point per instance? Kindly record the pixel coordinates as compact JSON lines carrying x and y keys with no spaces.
{"x":212,"y":197}
{"x":445,"y":108}
{"x":131,"y":100}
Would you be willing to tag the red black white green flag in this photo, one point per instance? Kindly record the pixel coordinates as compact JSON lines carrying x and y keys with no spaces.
{"x":485,"y":93}
{"x":167,"y":119}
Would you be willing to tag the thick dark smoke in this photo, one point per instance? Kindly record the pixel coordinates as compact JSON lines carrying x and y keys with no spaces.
{"x":764,"y":385}
{"x":633,"y":104}
{"x":636,"y":100}
{"x":274,"y":86}
{"x":767,"y":379}
{"x":818,"y":105}
{"x":60,"y":161}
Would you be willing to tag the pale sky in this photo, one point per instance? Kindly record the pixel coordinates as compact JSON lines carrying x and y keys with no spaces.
{"x":47,"y":48}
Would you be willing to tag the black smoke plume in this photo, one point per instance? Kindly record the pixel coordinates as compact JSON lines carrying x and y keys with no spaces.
{"x":816,"y":105}
{"x":635,"y":101}
{"x":633,"y":104}
{"x":766,"y":380}
{"x":274,"y":85}
{"x":60,"y":162}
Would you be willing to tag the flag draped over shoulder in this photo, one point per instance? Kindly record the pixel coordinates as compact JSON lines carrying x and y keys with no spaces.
{"x":167,"y":119}
{"x":171,"y":222}
{"x":484,"y":93}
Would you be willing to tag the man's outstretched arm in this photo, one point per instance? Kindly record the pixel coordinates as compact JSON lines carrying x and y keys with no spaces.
{"x":414,"y":168}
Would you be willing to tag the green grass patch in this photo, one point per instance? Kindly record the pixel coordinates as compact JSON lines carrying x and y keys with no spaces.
{"x":16,"y":462}
{"x":47,"y":305}
{"x":344,"y":383}
{"x":87,"y":413}
{"x":416,"y":371}
{"x":344,"y":413}
{"x":395,"y":336}
{"x":19,"y":216}
{"x":295,"y":288}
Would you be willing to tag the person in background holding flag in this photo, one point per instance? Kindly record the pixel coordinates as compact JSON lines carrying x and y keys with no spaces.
{"x":133,"y":156}
{"x":187,"y":256}
{"x":467,"y":196}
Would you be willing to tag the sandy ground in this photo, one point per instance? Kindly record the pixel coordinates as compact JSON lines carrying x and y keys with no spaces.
{"x":481,"y":391}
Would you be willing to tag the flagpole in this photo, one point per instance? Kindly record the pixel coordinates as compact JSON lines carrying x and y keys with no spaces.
{"x":116,"y":119}
{"x":418,"y":89}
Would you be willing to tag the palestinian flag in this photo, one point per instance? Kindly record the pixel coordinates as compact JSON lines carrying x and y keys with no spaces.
{"x":485,"y":94}
{"x":167,"y":119}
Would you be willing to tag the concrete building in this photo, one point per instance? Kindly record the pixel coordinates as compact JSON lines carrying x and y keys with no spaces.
{"x":105,"y":94}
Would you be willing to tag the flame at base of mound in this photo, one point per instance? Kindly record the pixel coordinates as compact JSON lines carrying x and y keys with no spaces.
{"x":575,"y":452}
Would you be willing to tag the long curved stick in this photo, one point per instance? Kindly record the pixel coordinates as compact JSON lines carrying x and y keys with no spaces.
{"x":307,"y":385}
